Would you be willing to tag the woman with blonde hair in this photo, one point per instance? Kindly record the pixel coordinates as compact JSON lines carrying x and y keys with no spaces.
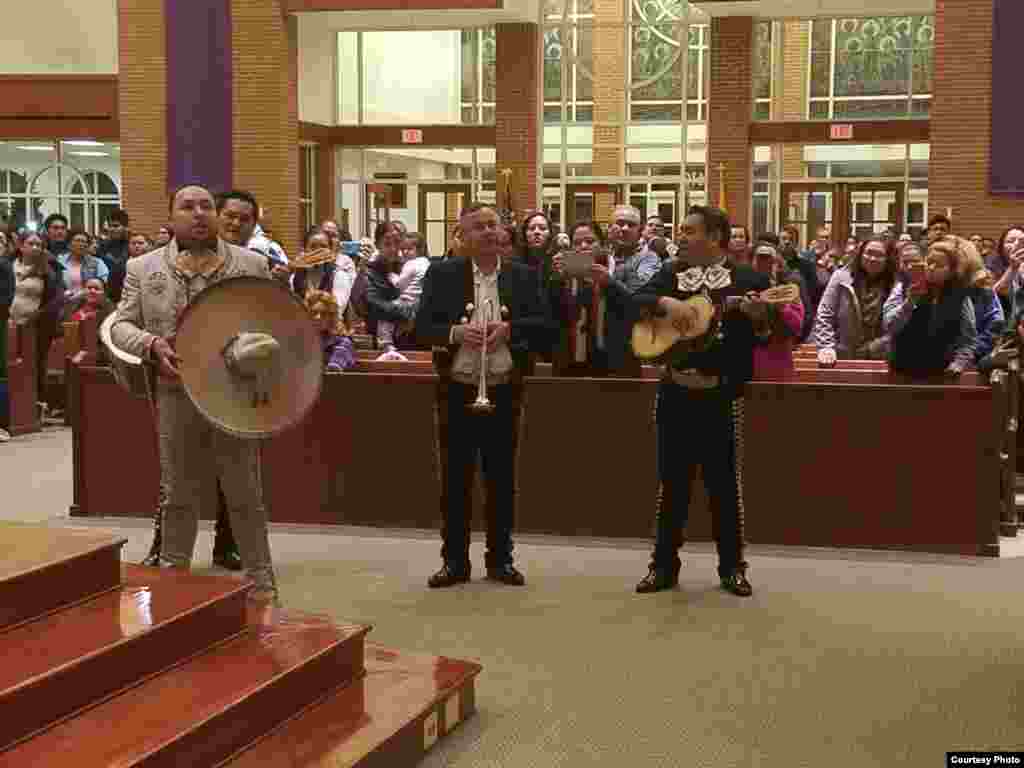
{"x":932,"y":320}
{"x":989,"y":318}
{"x":339,"y":354}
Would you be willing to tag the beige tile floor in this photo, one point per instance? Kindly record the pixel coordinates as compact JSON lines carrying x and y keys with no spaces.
{"x":840,"y":658}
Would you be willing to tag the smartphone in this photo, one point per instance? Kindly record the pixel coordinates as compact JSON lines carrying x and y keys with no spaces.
{"x":350,"y":247}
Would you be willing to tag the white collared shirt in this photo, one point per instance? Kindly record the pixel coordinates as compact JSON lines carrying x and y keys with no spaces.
{"x":466,"y":366}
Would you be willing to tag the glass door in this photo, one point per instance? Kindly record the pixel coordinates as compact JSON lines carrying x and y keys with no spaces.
{"x":810,"y":206}
{"x":439,"y":207}
{"x":873,"y":208}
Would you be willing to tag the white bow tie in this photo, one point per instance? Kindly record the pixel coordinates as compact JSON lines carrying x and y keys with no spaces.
{"x":712,"y":278}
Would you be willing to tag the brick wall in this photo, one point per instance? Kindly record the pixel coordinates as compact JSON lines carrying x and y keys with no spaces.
{"x":730,"y":108}
{"x":792,"y":87}
{"x":609,"y":69}
{"x":960,"y":121}
{"x":516,"y":112}
{"x":266,"y":129}
{"x":142,"y":104}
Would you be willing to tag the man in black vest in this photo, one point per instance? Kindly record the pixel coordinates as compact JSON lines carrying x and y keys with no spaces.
{"x":700,"y":399}
{"x":459,"y":295}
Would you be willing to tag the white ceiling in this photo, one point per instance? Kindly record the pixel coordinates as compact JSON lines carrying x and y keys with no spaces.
{"x":341,"y":21}
{"x":811,"y":8}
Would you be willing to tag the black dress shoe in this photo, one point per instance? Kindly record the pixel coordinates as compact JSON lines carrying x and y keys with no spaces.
{"x":449,"y":575}
{"x":657,"y":580}
{"x":229,"y":560}
{"x":506,"y":574}
{"x":736,"y":582}
{"x":152,"y":560}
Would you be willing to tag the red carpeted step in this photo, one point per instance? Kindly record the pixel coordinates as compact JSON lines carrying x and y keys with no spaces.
{"x":42,"y":568}
{"x":207,"y":709}
{"x":80,"y":655}
{"x":389,"y":719}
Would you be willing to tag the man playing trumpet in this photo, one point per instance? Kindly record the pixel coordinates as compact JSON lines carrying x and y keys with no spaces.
{"x":700,"y":400}
{"x":481,"y":314}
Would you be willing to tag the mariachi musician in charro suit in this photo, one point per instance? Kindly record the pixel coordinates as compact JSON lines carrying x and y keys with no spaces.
{"x":700,"y":400}
{"x":482,"y":314}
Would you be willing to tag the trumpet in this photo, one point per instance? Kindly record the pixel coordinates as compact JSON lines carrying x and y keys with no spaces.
{"x":482,"y":404}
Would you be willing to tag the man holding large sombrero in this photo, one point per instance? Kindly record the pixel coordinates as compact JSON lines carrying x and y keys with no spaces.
{"x":249,"y":366}
{"x":700,"y":314}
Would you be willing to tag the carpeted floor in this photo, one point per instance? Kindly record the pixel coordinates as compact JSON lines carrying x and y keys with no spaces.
{"x":840,"y":658}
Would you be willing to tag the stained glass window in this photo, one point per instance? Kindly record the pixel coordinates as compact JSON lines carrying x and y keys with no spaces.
{"x":870,"y":68}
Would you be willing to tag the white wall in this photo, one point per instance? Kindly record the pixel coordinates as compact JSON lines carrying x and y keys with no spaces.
{"x":412,"y":77}
{"x":317,"y":77}
{"x":59,"y":36}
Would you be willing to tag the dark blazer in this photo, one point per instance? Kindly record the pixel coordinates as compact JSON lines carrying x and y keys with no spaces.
{"x":448,"y":288}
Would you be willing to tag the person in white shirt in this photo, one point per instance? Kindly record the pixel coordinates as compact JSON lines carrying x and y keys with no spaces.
{"x":477,"y":306}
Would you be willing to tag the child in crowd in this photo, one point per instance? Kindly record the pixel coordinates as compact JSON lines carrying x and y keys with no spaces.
{"x":773,"y":359}
{"x":932,"y":320}
{"x":409,"y":282}
{"x":339,"y":354}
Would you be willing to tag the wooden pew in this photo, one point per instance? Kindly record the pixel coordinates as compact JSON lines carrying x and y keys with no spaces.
{"x":597,"y":476}
{"x":24,"y":416}
{"x":902,"y":434}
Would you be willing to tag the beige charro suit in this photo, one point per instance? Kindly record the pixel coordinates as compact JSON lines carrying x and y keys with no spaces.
{"x":193,"y":454}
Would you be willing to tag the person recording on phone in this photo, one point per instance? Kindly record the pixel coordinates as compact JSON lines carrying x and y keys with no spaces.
{"x":581,"y":312}
{"x":1010,"y":250}
{"x":931,"y":319}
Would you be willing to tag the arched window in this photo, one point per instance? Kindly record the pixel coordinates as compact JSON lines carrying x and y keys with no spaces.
{"x":92,"y":196}
{"x":13,"y":201}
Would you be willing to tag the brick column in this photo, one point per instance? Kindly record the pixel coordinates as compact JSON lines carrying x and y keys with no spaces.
{"x":142,"y":105}
{"x":265,"y":126}
{"x":961,"y":130}
{"x":517,"y":111}
{"x":609,"y":68}
{"x":730,"y":111}
{"x":792,"y":89}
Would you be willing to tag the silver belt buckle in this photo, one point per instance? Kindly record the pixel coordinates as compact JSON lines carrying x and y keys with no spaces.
{"x":691,"y":378}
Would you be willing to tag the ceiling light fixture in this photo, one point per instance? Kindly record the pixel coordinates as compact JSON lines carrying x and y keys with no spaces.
{"x":83,"y":143}
{"x":90,"y":154}
{"x":35,"y":148}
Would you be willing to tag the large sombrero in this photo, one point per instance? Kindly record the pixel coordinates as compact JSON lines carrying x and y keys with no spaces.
{"x":251,"y":359}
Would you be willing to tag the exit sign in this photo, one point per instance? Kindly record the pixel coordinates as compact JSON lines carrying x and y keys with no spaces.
{"x":412,"y":136}
{"x":841,"y":132}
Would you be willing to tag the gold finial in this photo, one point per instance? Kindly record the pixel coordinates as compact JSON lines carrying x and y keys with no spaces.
{"x":721,"y":186}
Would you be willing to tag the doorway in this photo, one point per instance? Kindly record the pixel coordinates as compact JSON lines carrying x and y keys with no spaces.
{"x":857,"y":209}
{"x":439,"y":207}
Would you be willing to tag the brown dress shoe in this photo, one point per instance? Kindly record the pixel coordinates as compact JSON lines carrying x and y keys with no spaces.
{"x":449,"y":575}
{"x":506,"y":574}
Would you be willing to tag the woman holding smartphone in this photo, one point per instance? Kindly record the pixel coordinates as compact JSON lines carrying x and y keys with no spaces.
{"x":581,"y":311}
{"x":1010,"y":251}
{"x":933,"y":324}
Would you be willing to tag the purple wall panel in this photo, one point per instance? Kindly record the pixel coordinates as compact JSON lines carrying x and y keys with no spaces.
{"x":1007,"y":159}
{"x":199,"y":104}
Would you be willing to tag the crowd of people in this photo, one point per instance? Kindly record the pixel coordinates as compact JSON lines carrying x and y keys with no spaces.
{"x":939,"y":303}
{"x":524,"y":291}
